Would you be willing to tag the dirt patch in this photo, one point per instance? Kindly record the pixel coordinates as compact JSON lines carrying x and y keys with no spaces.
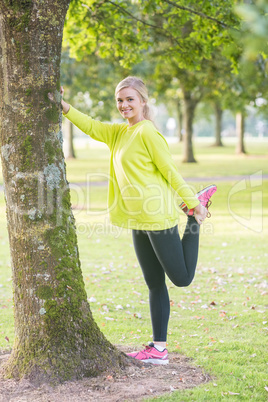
{"x":132,"y":384}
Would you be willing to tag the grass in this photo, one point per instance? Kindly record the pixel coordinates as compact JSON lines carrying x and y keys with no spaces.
{"x":93,"y":164}
{"x":223,"y":162}
{"x":220,"y":321}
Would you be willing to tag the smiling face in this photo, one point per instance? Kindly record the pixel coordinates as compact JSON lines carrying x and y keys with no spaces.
{"x":130,"y":105}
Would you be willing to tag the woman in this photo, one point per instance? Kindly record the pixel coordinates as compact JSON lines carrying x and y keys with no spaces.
{"x":142,"y":187}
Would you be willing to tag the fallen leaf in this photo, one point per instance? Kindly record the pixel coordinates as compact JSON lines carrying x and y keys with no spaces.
{"x":92,"y":300}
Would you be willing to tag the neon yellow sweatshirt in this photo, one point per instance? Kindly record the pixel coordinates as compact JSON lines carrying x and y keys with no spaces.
{"x":144,"y":181}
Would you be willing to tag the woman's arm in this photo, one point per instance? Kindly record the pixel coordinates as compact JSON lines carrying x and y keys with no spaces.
{"x":104,"y":132}
{"x":160,"y":154}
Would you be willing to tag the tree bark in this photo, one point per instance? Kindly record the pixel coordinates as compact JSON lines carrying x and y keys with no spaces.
{"x":180,"y":122}
{"x":188,"y":118}
{"x":69,"y":151}
{"x":240,"y":131}
{"x":218,"y":124}
{"x":56,"y":338}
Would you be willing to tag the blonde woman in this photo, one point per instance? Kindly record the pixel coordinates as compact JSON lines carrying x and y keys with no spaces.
{"x":143,"y":185}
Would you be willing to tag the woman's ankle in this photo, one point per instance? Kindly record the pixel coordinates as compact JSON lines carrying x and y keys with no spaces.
{"x":161,"y":344}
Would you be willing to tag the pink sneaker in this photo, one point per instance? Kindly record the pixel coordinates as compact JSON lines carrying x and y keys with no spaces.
{"x":151,"y":355}
{"x":204,"y":197}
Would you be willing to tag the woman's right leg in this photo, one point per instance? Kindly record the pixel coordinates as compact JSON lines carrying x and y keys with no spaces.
{"x":154,"y":276}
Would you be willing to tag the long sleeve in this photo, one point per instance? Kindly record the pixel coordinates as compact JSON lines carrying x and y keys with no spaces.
{"x":161,"y":157}
{"x":104,"y":132}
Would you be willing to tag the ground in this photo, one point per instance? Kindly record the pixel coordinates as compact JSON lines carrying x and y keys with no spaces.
{"x":133,"y":384}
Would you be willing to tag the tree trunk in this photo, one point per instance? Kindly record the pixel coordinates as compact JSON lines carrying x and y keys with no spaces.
{"x":180,"y":122}
{"x":218,"y":124}
{"x":56,"y":338}
{"x":69,"y":150}
{"x":240,"y":130}
{"x":188,"y":118}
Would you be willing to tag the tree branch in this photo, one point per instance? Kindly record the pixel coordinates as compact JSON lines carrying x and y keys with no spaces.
{"x":190,"y":10}
{"x":158,"y":28}
{"x":133,"y":16}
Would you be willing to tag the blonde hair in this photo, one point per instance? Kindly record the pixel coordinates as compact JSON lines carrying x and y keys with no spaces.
{"x":137,"y":84}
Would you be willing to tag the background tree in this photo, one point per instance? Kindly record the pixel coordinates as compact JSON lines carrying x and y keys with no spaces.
{"x":248,"y":84}
{"x":172,"y":98}
{"x":171,"y":33}
{"x":254,"y":30}
{"x":218,"y":122}
{"x":56,"y":337}
{"x":206,"y":84}
{"x":219,"y":76}
{"x":254,"y":66}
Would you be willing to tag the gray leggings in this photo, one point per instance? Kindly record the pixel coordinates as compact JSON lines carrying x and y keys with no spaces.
{"x":161,"y":252}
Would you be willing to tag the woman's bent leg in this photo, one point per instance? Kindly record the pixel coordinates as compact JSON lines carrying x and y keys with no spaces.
{"x":154,"y":276}
{"x":177,"y":257}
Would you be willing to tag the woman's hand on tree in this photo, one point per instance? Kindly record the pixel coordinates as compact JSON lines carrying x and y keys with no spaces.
{"x":65,"y":105}
{"x":53,"y":98}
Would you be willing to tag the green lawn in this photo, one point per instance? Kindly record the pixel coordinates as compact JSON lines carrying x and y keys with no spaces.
{"x":93,"y":164}
{"x":220,"y":321}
